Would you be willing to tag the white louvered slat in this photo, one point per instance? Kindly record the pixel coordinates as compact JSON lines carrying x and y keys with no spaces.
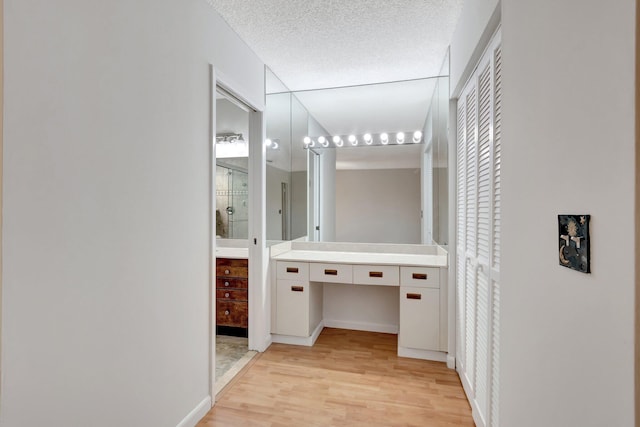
{"x":494,"y":420}
{"x":470,"y":325}
{"x":482,"y":339}
{"x":460,"y":223}
{"x":471,"y":173}
{"x":497,"y":157}
{"x":495,"y":355}
{"x":484,"y":164}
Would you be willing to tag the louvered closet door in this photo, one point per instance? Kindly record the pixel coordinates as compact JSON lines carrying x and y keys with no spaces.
{"x":495,"y":238}
{"x":471,"y":201}
{"x":478,"y":235}
{"x":460,"y":237}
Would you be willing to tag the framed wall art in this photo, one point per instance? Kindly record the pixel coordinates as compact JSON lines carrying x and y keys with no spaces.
{"x":574,"y":242}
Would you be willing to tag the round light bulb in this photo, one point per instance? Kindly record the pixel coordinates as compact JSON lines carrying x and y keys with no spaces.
{"x":367,"y":139}
{"x":268,"y":142}
{"x":353,"y":140}
{"x":338,"y":141}
{"x":417,"y":136}
{"x":384,"y":138}
{"x":400,"y":137}
{"x":323,"y":141}
{"x":306,"y":140}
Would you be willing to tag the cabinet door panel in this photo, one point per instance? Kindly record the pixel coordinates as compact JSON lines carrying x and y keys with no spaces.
{"x":292,"y":313}
{"x":419,"y":318}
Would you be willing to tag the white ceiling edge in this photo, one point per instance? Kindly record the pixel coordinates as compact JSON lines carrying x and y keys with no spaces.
{"x":312,"y":44}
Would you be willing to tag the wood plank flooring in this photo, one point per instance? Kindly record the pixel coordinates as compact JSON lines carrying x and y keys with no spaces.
{"x":348,"y":378}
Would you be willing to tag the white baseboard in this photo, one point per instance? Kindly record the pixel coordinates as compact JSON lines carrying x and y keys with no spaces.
{"x":451,"y":361}
{"x":306,"y":341}
{"x":475,"y":412}
{"x":361,"y":326}
{"x":437,"y":356}
{"x":196,"y":414}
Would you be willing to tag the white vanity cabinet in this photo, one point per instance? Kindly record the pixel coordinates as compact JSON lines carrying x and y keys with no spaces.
{"x":419,"y":310}
{"x":422,"y":321}
{"x":298,"y":302}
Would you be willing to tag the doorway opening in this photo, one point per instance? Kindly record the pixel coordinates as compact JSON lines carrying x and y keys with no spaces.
{"x":232,"y":173}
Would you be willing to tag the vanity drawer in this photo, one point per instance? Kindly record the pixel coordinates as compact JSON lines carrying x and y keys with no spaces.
{"x":426,"y":277}
{"x":231,"y":294}
{"x":292,"y":270}
{"x":387,"y":275}
{"x":333,"y":273}
{"x":232,"y":282}
{"x":232,"y":313}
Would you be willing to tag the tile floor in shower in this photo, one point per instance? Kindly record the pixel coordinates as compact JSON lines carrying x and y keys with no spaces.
{"x":231,"y":356}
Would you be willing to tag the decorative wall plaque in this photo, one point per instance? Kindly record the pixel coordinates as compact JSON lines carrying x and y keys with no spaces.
{"x":573,"y":242}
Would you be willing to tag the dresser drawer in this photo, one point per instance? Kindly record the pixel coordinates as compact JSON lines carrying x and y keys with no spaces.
{"x":232,"y":313}
{"x":224,"y":283}
{"x":232,"y":262}
{"x":426,"y":277}
{"x":331,"y":273}
{"x":292,"y":270}
{"x":386,"y":275}
{"x":231,"y":294}
{"x":231,"y":271}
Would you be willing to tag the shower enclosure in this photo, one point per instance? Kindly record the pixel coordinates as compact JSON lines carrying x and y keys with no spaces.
{"x":232,"y":193}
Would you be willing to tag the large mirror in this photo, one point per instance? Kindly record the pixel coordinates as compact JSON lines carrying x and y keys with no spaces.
{"x":232,"y":167}
{"x":365,"y":190}
{"x":289,"y":170}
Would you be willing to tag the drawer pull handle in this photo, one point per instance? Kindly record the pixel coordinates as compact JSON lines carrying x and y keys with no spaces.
{"x":227,"y":272}
{"x":226,"y":312}
{"x":292,"y":269}
{"x":414,"y":296}
{"x":419,"y":276}
{"x":375,"y":274}
{"x":226,"y":294}
{"x":226,"y":283}
{"x":331,"y":272}
{"x":297,"y":288}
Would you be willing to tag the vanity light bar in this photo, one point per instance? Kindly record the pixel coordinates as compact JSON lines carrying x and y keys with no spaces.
{"x":274,"y":144}
{"x":399,"y":138}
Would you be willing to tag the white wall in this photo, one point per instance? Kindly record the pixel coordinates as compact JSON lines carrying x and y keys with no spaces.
{"x":474,"y":29}
{"x":378,"y":206}
{"x":369,"y":308}
{"x":107,"y":208}
{"x":568,"y":147}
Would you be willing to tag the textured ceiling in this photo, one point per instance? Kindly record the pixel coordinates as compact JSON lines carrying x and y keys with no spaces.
{"x":312,"y":44}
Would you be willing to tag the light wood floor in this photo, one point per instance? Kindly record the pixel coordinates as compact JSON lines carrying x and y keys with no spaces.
{"x":348,"y":378}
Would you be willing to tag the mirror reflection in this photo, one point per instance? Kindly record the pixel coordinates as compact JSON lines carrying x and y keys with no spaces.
{"x":376,"y":162}
{"x":232,"y":163}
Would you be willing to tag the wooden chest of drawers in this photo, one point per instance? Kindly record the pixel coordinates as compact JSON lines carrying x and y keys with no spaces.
{"x":232,"y":286}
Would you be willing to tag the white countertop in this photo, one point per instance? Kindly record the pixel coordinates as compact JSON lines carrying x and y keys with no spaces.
{"x":223,"y":252}
{"x":378,"y":258}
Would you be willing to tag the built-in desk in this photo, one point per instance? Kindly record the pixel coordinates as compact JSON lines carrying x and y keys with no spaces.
{"x":418,"y":272}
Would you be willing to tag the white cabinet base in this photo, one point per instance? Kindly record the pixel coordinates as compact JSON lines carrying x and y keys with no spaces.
{"x":437,"y":356}
{"x":305,"y":341}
